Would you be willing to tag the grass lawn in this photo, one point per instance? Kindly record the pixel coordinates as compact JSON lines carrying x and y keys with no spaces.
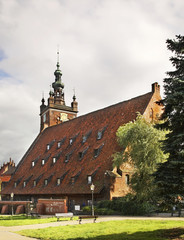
{"x":25,"y":220}
{"x":113,"y":230}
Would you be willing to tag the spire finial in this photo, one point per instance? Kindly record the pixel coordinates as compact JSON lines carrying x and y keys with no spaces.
{"x":74,"y":97}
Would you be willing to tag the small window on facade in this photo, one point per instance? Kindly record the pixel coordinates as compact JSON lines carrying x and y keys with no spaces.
{"x":54,"y":160}
{"x":58,"y":181}
{"x":71,"y":141}
{"x":127,"y":179}
{"x":34,"y":183}
{"x":46,"y":182}
{"x":44,"y":118}
{"x":48,"y":147}
{"x":43,"y":162}
{"x":24,"y":184}
{"x":15,"y":184}
{"x":33,"y":163}
{"x":89,"y":179}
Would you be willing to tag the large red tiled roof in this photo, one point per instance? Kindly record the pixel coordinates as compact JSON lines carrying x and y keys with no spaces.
{"x":80,"y":161}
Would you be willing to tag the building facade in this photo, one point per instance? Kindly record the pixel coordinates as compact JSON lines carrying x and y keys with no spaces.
{"x":70,"y":153}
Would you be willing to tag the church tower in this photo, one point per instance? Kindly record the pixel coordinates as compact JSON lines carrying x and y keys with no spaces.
{"x":56,"y":111}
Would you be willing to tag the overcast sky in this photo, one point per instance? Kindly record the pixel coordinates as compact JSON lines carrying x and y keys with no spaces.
{"x":110,"y":51}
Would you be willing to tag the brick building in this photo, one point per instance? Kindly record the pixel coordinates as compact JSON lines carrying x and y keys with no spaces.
{"x":70,"y":153}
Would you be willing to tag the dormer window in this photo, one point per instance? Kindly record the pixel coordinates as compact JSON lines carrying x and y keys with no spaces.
{"x":58,"y":181}
{"x":48,"y":147}
{"x":71,"y":141}
{"x":89,"y":179}
{"x":100,"y":133}
{"x":46,"y":182}
{"x":54,"y":160}
{"x":15,"y":184}
{"x":82,"y":153}
{"x":73,"y":180}
{"x":33,"y":163}
{"x":67,"y":157}
{"x":24,"y":184}
{"x":43,"y":162}
{"x":59,"y":144}
{"x":34,"y":183}
{"x":98,"y":150}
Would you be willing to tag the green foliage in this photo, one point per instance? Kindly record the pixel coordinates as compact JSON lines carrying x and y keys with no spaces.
{"x":114,"y":230}
{"x":141,"y":145}
{"x":170,"y":175}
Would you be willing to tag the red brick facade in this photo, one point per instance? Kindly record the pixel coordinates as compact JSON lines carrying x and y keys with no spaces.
{"x":66,"y":158}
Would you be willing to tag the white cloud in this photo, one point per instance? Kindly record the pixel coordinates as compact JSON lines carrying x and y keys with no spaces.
{"x":110,"y":51}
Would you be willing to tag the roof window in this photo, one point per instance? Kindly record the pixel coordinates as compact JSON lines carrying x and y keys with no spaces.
{"x":86,"y":136}
{"x":98,"y":150}
{"x":82,"y":153}
{"x":89,"y":179}
{"x":49,"y":145}
{"x":101,"y":133}
{"x":54,"y":160}
{"x":67,"y":157}
{"x":72,"y":140}
{"x":26,"y":181}
{"x":59,"y":180}
{"x":46,"y":182}
{"x":33,"y":163}
{"x":24,"y":184}
{"x":61,"y":142}
{"x":17,"y":182}
{"x":74,"y":178}
{"x":35,"y":182}
{"x":44,"y":160}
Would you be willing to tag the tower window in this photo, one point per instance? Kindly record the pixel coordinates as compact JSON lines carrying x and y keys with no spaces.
{"x":127,"y":179}
{"x":44,"y":118}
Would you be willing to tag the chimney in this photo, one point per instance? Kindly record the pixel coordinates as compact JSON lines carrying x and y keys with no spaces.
{"x":155,"y":87}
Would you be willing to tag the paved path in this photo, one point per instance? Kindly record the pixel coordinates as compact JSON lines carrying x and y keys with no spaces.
{"x":8,"y":233}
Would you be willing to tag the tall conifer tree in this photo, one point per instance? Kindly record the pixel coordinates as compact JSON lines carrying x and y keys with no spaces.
{"x":170,"y":175}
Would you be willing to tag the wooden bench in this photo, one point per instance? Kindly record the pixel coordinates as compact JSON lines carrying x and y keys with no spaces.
{"x":87,"y":217}
{"x":64,"y":215}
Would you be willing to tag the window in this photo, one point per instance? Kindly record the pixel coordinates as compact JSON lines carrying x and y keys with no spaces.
{"x":46,"y":182}
{"x":73,"y":180}
{"x":89,"y":179}
{"x":54,"y":160}
{"x":24,"y":184}
{"x":44,"y":118}
{"x":98,"y":150}
{"x":71,"y":141}
{"x":58,"y":181}
{"x":48,"y":147}
{"x":127,"y":179}
{"x":33,"y":163}
{"x":34,"y":183}
{"x":15,"y":184}
{"x":43,"y":162}
{"x":82,"y":154}
{"x":100,"y":133}
{"x":119,"y":171}
{"x":84,"y":138}
{"x":59,"y":144}
{"x":67,"y":158}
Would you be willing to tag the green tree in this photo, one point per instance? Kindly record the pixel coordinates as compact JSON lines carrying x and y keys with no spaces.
{"x":141,"y":146}
{"x":170,"y":175}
